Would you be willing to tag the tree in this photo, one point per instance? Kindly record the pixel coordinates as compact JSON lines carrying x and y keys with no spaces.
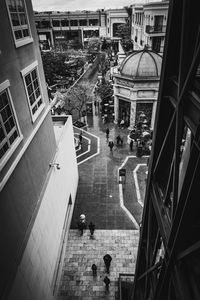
{"x":55,"y":66}
{"x":75,"y":101}
{"x":104,"y":90}
{"x":93,"y":45}
{"x":123,"y":32}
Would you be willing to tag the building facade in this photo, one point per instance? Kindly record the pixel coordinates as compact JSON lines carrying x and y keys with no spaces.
{"x":38,"y":170}
{"x":59,"y":29}
{"x":168,"y":260}
{"x":149,"y":25}
{"x":136,"y":87}
{"x":75,"y":27}
{"x":114,"y":18}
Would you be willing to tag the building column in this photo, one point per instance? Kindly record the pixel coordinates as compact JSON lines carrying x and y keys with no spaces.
{"x":51,"y":37}
{"x":116,"y":109}
{"x":132,"y":114}
{"x":153,"y":115}
{"x":82,"y":39}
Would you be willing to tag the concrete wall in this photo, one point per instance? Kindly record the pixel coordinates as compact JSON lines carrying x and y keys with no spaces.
{"x":20,"y":197}
{"x":35,"y":276}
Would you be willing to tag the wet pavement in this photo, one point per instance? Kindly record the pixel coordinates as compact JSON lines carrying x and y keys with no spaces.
{"x":98,"y":189}
{"x":113,"y":204}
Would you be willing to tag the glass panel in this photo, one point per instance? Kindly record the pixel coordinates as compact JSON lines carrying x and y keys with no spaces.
{"x":37,"y":92}
{"x":30,"y":89}
{"x":12,"y":5}
{"x":8,"y":111}
{"x":13,"y":137}
{"x":25,"y":32}
{"x":32,"y":99}
{"x":3,"y":150}
{"x":8,"y":127}
{"x":34,"y":74}
{"x":4,"y":114}
{"x":20,"y":5}
{"x":23,"y":19}
{"x":39,"y":102}
{"x":28,"y":79}
{"x":18,"y":34}
{"x":15,"y":19}
{"x":36,"y":84}
{"x":2,"y":134}
{"x":34,"y":109}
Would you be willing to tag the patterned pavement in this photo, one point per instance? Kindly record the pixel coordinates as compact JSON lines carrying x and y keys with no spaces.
{"x":111,"y":206}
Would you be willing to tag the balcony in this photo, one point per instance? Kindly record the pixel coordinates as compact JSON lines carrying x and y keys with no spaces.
{"x":155,"y":29}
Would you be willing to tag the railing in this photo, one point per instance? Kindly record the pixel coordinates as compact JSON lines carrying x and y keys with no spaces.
{"x":156,"y":29}
{"x":125,"y":285}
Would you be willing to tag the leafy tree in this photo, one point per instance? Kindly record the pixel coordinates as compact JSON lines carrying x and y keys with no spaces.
{"x":104,"y":90}
{"x":75,"y":100}
{"x":56,"y":68}
{"x":123,"y":32}
{"x":93,"y":45}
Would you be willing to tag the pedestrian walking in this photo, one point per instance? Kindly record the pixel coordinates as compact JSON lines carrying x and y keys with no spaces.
{"x":118,"y":138}
{"x":91,"y":227}
{"x":131,"y":145}
{"x":107,"y":260}
{"x":107,"y":133}
{"x":107,"y":282}
{"x":111,"y":145}
{"x":94,"y":270}
{"x":121,"y":141}
{"x":82,"y":223}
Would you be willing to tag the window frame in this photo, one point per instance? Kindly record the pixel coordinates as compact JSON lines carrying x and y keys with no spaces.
{"x":25,"y":40}
{"x":5,"y":86}
{"x":25,"y":72}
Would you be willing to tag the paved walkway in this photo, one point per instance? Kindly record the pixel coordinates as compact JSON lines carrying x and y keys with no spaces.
{"x":78,"y":282}
{"x":114,"y":209}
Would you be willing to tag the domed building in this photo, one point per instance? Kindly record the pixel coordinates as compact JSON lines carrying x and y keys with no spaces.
{"x":136,"y":87}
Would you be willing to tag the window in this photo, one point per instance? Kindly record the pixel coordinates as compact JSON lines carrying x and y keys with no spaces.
{"x":10,"y":134}
{"x":33,"y":90}
{"x":73,"y":23}
{"x":64,"y":23}
{"x":83,"y":22}
{"x":19,"y":22}
{"x":56,"y":23}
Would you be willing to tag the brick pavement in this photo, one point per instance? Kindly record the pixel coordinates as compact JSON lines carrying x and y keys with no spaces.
{"x":78,"y":282}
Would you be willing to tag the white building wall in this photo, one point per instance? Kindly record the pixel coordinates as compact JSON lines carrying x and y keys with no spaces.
{"x":34,"y":279}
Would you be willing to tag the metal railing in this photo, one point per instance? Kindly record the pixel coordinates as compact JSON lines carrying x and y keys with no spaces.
{"x":156,"y":29}
{"x":125,"y":282}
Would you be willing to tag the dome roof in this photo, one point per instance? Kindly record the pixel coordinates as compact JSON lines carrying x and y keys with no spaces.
{"x":142,"y":64}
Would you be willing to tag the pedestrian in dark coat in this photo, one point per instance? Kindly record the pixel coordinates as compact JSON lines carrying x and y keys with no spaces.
{"x":94,"y":270}
{"x":131,"y":145}
{"x":107,"y":260}
{"x":107,"y":282}
{"x":118,"y":138}
{"x":111,"y":145}
{"x":91,"y":227}
{"x":107,"y":133}
{"x":82,"y":223}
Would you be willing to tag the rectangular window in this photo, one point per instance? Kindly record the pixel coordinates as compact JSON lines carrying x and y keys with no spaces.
{"x":19,"y":22}
{"x":10,"y":134}
{"x":33,"y":90}
{"x":73,"y":23}
{"x":83,"y":22}
{"x":56,"y":23}
{"x":64,"y":23}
